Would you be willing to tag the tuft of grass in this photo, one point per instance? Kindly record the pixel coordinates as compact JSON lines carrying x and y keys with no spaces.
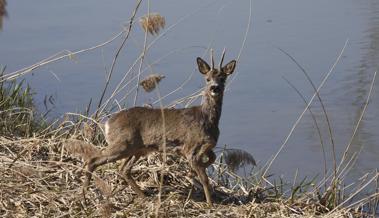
{"x":17,"y":112}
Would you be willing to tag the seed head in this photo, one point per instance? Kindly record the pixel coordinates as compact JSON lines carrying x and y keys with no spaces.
{"x":150,"y":82}
{"x":152,"y":23}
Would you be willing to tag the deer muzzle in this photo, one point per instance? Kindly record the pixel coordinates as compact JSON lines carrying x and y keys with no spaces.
{"x":215,"y":90}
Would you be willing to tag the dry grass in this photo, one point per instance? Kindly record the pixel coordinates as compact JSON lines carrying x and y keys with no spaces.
{"x":45,"y":182}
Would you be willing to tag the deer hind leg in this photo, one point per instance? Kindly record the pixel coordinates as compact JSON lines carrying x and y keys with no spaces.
{"x":109,"y":155}
{"x":126,"y":172}
{"x":192,"y":175}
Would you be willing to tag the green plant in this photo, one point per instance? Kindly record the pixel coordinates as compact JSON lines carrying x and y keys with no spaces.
{"x":17,"y":111}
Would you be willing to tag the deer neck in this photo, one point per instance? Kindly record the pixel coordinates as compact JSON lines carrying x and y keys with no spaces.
{"x":211,"y":109}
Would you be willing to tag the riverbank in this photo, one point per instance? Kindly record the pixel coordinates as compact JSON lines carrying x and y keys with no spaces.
{"x":40,"y":179}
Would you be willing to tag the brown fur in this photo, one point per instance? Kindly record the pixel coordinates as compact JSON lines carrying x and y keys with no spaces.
{"x":192,"y":132}
{"x":81,"y":149}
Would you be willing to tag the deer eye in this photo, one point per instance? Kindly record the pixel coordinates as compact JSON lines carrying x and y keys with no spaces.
{"x":208,"y":79}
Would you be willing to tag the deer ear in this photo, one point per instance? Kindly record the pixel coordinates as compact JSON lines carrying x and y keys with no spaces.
{"x":203,"y":66}
{"x":229,"y":68}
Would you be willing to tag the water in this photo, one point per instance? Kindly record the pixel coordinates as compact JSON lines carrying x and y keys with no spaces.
{"x":260,"y":107}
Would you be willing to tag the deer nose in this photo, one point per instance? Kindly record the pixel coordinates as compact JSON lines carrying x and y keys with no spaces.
{"x":215,"y":88}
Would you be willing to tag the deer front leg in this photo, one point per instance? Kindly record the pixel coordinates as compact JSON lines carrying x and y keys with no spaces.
{"x":199,"y":163}
{"x":206,"y":160}
{"x":200,"y":171}
{"x":201,"y":157}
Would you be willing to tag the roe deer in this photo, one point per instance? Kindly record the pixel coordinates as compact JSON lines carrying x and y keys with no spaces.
{"x":192,"y":132}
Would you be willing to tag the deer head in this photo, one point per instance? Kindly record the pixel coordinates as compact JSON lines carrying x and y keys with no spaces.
{"x":215,"y":78}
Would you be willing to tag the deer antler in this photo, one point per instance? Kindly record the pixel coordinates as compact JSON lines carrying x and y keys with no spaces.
{"x":212,"y":60}
{"x":222,"y":58}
